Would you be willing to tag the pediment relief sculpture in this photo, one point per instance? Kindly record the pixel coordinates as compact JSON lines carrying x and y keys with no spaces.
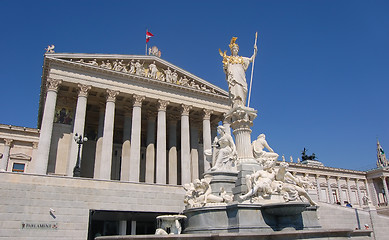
{"x":148,"y":69}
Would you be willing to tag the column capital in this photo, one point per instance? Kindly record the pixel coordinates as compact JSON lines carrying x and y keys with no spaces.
{"x":83,"y":90}
{"x":207,"y":114}
{"x":317,"y":175}
{"x":137,"y":100}
{"x":382,"y":177}
{"x":8,"y":142}
{"x":162,"y":105}
{"x":53,"y":84}
{"x":185,"y":109}
{"x":338,"y":178}
{"x":111,"y":95}
{"x":328,"y":177}
{"x":348,"y":179}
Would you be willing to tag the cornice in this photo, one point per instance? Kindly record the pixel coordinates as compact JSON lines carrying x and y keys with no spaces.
{"x":17,"y":128}
{"x":323,"y":168}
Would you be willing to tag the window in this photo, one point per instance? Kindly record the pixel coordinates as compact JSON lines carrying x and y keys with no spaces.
{"x":18,"y":167}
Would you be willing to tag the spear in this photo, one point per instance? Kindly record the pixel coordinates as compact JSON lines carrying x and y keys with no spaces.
{"x":252,"y":70}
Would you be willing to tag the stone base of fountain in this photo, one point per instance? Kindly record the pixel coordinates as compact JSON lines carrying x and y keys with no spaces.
{"x":251,"y":218}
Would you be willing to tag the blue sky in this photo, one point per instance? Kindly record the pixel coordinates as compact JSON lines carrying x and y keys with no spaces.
{"x":321,"y":76}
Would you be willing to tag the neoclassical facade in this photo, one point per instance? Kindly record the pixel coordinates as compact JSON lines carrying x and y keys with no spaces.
{"x":148,"y":123}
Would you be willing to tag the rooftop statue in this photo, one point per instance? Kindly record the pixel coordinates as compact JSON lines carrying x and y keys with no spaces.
{"x":304,"y":156}
{"x":50,"y":48}
{"x":235,"y":68}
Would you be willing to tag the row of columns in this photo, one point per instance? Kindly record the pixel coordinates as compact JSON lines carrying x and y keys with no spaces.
{"x":331,"y":200}
{"x":131,"y":144}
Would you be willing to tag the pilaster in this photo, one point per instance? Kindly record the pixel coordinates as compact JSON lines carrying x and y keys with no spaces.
{"x":330,"y":197}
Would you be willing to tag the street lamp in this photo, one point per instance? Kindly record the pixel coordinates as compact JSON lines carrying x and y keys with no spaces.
{"x":79,"y":140}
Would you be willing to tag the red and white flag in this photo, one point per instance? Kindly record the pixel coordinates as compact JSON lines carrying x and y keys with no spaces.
{"x":148,"y":36}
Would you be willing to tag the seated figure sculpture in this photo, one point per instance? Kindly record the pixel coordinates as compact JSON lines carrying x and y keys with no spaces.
{"x":260,"y":183}
{"x":224,"y":152}
{"x":258,"y":149}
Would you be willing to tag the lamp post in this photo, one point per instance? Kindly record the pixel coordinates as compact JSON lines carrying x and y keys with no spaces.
{"x":79,"y":140}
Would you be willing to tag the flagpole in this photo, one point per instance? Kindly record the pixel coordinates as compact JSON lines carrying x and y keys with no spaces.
{"x":146,"y":41}
{"x":252,"y":70}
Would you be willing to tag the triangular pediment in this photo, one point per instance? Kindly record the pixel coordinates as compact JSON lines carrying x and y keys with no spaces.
{"x":20,"y":156}
{"x":140,"y":67}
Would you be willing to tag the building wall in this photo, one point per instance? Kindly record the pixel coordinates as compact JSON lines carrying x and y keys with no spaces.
{"x":27,"y":198}
{"x":334,"y":216}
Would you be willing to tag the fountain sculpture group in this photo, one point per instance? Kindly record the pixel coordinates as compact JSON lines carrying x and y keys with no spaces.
{"x":245,"y":192}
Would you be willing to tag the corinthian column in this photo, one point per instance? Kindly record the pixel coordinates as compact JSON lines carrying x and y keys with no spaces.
{"x":79,"y":124}
{"x":185,"y":145}
{"x":161,"y":142}
{"x":207,"y":141}
{"x":4,"y":160}
{"x":52,"y":86}
{"x":135,"y":138}
{"x":106,"y":151}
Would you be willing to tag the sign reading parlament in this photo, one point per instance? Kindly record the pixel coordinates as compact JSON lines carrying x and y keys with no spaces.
{"x":44,"y":226}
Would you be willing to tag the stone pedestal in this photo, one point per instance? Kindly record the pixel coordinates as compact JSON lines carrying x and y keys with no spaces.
{"x":240,"y":184}
{"x":221,"y":179}
{"x":241,"y":119}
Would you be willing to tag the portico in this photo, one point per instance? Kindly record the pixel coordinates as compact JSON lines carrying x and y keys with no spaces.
{"x":136,"y":132}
